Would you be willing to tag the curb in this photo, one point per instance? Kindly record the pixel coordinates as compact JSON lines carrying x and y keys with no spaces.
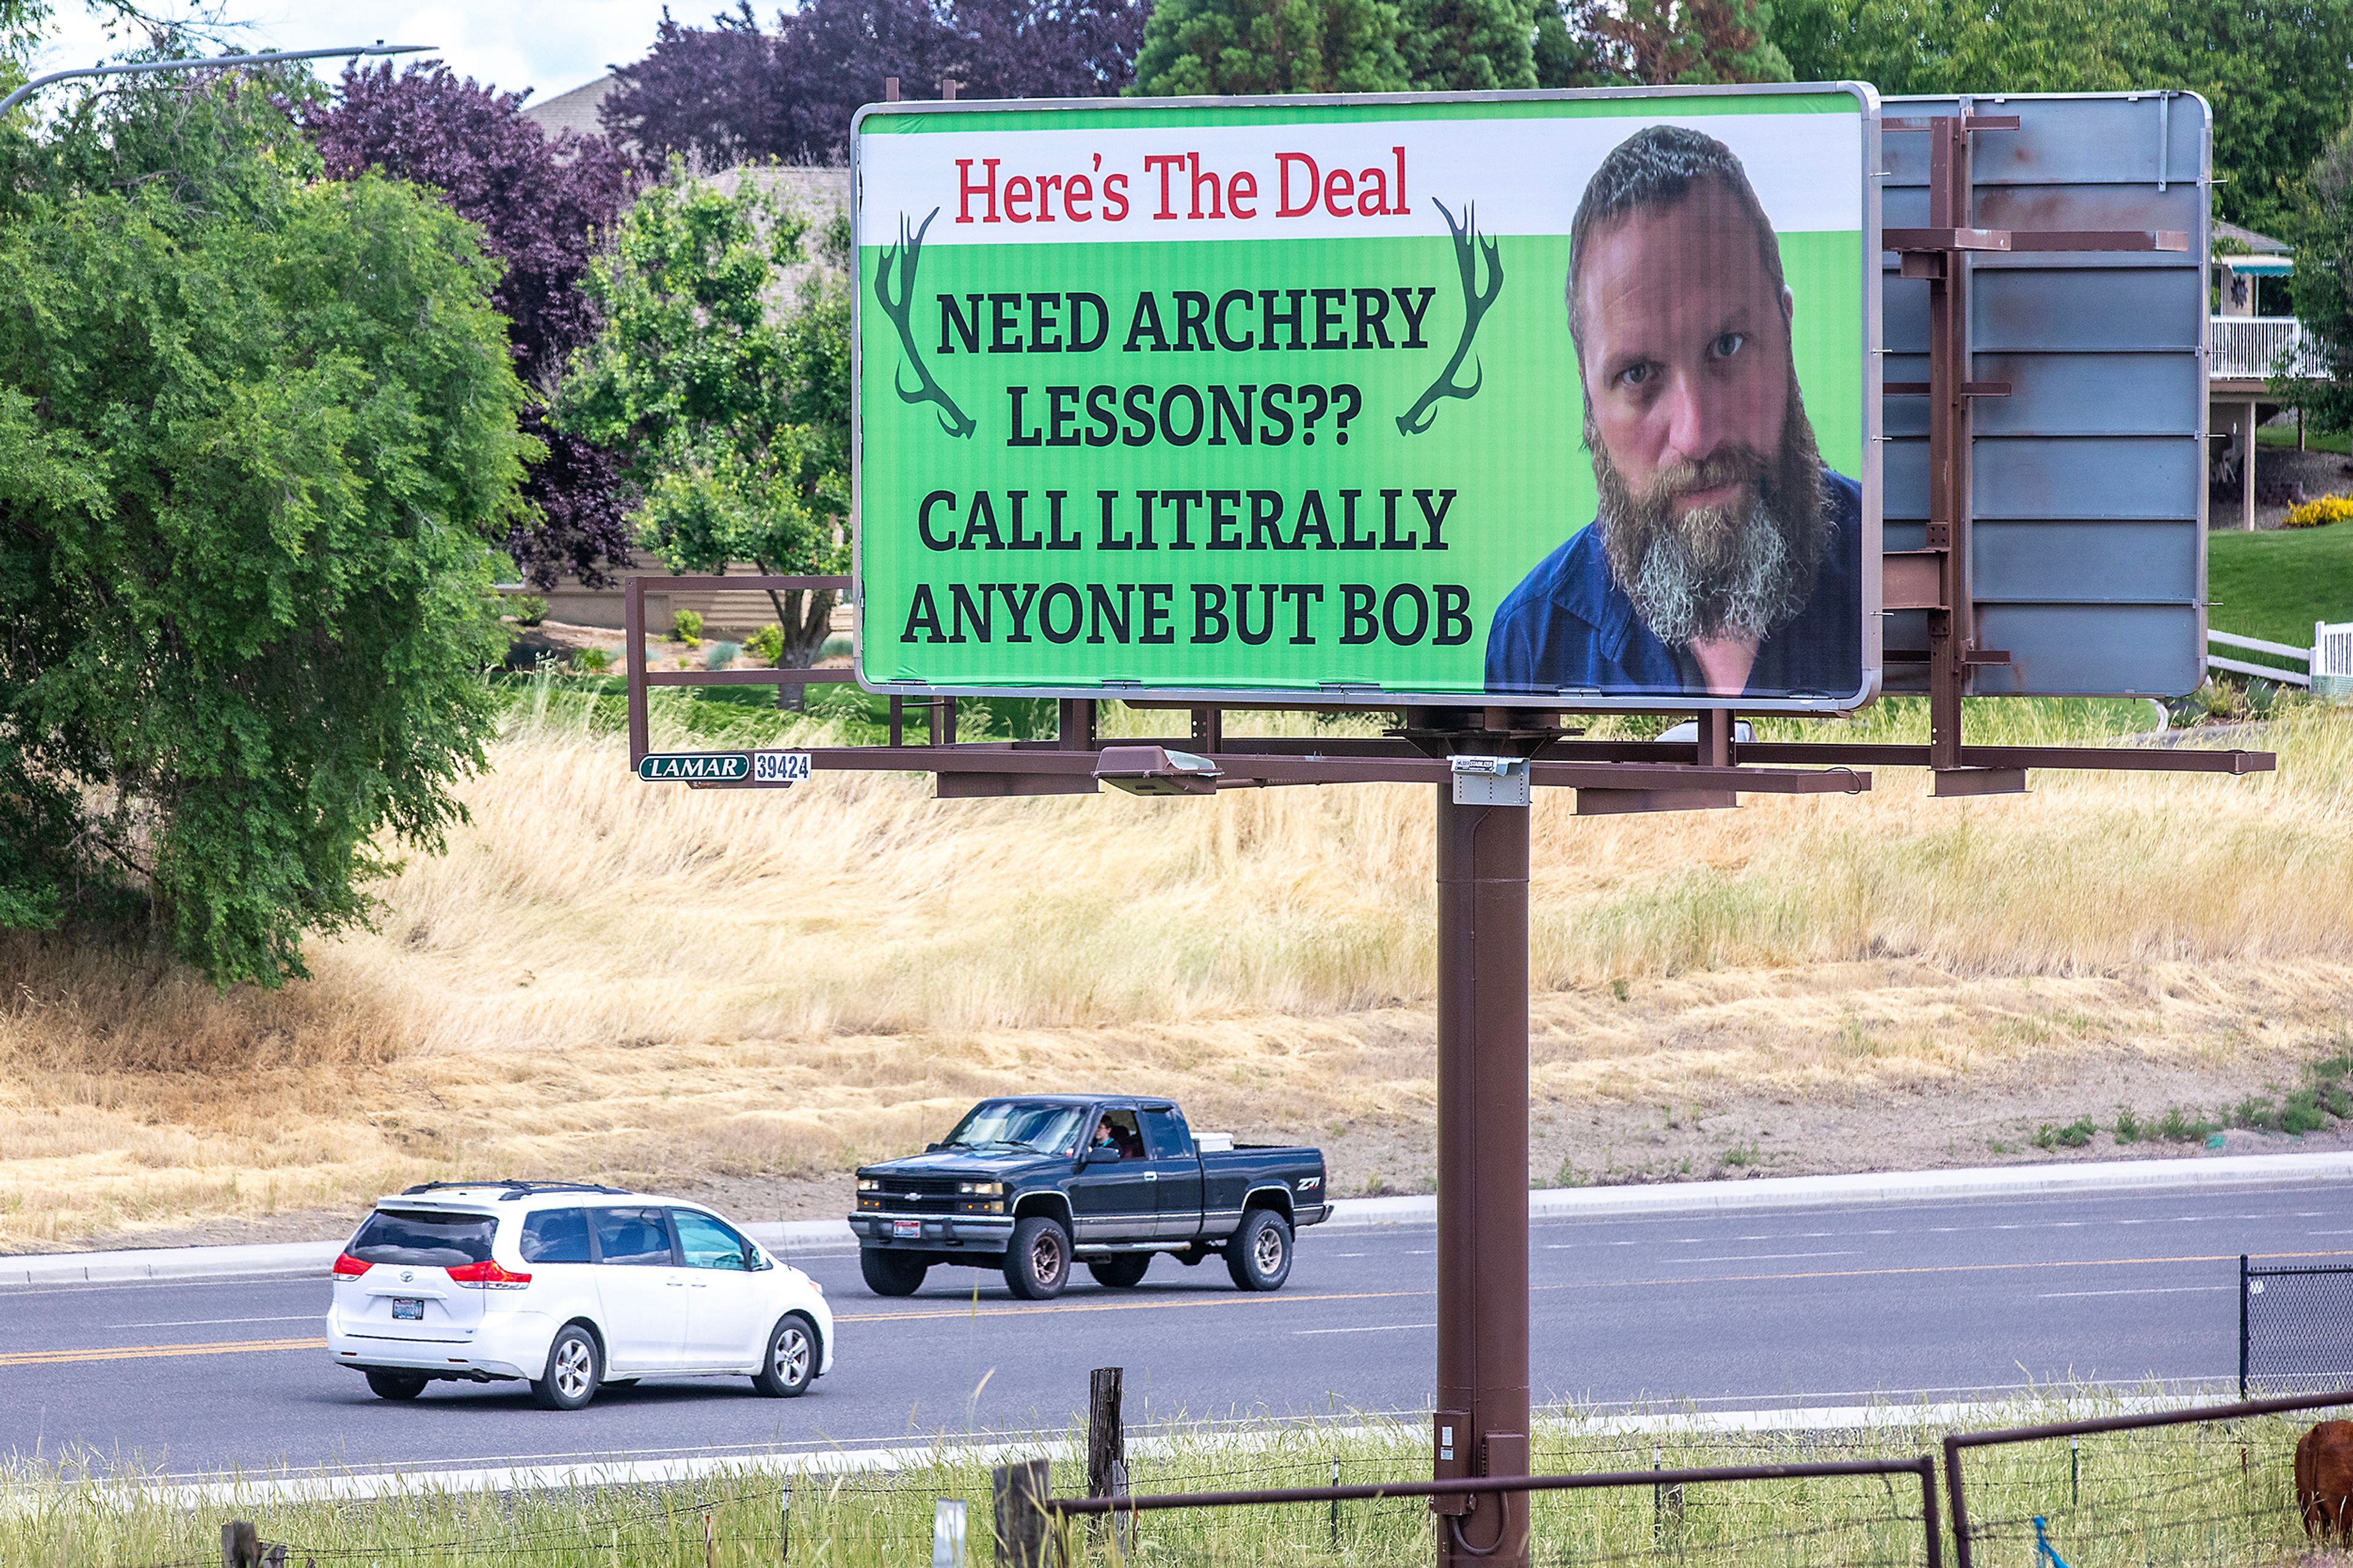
{"x":790,"y":1236}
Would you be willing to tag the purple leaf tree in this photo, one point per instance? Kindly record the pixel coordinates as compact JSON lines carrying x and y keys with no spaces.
{"x":540,"y":204}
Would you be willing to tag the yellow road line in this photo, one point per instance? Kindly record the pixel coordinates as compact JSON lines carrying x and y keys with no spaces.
{"x":136,"y":1352}
{"x":1244,"y":1299}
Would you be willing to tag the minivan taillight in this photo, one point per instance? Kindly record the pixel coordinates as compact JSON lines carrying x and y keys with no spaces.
{"x":488,"y":1275}
{"x":350,"y":1268}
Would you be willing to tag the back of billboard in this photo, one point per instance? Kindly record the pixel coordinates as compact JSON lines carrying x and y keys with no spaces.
{"x":1540,"y":399}
{"x":2088,"y":482}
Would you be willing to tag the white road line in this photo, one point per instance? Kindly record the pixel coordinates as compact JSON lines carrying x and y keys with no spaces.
{"x":1374,"y":1329}
{"x":1764,"y":1256}
{"x":2146,"y":1290}
{"x":207,"y":1322}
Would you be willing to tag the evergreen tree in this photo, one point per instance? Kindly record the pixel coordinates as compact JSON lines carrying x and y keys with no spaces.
{"x":1468,"y":45}
{"x":1202,"y":47}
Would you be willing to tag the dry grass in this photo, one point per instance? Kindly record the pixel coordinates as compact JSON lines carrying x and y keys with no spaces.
{"x":685,"y":986}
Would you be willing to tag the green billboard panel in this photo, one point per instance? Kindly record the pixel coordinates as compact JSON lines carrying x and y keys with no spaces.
{"x":1557,"y":399}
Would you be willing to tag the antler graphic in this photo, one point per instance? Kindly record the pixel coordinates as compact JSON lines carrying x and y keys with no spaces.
{"x":1475,"y":300}
{"x":953,"y":420}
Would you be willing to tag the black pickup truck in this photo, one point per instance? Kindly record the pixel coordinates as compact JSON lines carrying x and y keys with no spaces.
{"x":1029,"y":1184}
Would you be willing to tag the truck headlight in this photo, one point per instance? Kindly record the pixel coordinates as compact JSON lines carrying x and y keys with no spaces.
{"x":981,"y":1189}
{"x":869,"y":1184}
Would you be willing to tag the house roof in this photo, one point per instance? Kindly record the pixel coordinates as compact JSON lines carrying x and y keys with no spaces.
{"x":572,"y":110}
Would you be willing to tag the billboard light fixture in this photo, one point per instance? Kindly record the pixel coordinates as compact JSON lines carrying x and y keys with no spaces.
{"x":1156,"y":770}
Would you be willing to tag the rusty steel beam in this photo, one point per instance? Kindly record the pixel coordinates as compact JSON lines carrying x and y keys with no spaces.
{"x":750,"y":585}
{"x":833,"y":674}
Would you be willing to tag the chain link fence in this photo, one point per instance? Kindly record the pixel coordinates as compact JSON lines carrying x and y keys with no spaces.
{"x":2295,"y":1328}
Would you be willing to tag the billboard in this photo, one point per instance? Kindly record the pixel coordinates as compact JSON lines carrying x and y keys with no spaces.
{"x":1548,"y":399}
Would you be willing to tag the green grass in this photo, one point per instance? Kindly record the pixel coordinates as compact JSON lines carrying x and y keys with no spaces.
{"x":2284,"y":436}
{"x":2210,"y":1496}
{"x":2274,"y":585}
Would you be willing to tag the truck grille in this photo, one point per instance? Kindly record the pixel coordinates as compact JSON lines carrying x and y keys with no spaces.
{"x":917,"y":1194}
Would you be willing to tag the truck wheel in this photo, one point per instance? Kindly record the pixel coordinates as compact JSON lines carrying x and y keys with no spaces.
{"x":1258,"y":1253}
{"x":1038,"y":1258}
{"x":1119,"y":1273}
{"x":891,"y":1273}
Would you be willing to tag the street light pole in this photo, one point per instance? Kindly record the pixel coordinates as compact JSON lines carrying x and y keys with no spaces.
{"x":380,"y":48}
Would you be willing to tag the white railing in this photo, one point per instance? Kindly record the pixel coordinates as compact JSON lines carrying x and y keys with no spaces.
{"x":2249,"y":348}
{"x":2303,"y":655}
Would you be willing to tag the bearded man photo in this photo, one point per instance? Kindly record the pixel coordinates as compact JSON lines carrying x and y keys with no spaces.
{"x":1724,"y":559}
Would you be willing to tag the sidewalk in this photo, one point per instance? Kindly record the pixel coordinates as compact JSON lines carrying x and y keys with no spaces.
{"x":806,"y":1237}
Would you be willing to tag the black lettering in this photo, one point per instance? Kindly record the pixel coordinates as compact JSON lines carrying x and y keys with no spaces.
{"x":1055,"y":538}
{"x":964,"y":327}
{"x":1192,"y":320}
{"x":1390,"y":539}
{"x":1266,"y":520}
{"x":1313,"y":520}
{"x":1168,"y":427}
{"x":1413,"y":313}
{"x":1004,"y":324}
{"x":923,"y":615}
{"x":1227,"y":339}
{"x":1060,"y":420}
{"x":967,"y":610}
{"x":1209,"y":609}
{"x":1042,"y":321}
{"x":1099,"y":601}
{"x":1407,"y":591}
{"x":1330,"y":308}
{"x":1437,"y":520}
{"x":1014,"y":438}
{"x":1123,"y":541}
{"x":1183,"y":501}
{"x":1022,"y":541}
{"x":1223,"y":520}
{"x":1357,"y":624}
{"x":1138,"y":407}
{"x":1105,"y":415}
{"x":1454,"y":616}
{"x":1304,"y":595}
{"x":1242,"y":613}
{"x":1270,"y":317}
{"x":1223,"y":412}
{"x":982,"y":519}
{"x":1147,"y":319}
{"x":924,"y":520}
{"x":1274,"y":406}
{"x":1046,"y":613}
{"x":1372,"y":318}
{"x":1156,"y":612}
{"x":1083,"y":339}
{"x":1348,"y":540}
{"x":1017,"y":607}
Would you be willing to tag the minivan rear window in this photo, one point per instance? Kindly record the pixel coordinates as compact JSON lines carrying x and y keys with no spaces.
{"x":430,"y":1240}
{"x":555,"y":1235}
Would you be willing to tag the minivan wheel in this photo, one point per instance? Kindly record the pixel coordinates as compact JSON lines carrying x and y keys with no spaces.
{"x":1121,"y":1272}
{"x":790,"y":1366}
{"x":574,"y":1368}
{"x":396,"y":1384}
{"x":1038,"y":1258}
{"x":890,"y":1273}
{"x":1259,"y":1254}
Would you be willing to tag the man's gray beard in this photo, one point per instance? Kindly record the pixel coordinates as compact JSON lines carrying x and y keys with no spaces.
{"x":1742,"y":570}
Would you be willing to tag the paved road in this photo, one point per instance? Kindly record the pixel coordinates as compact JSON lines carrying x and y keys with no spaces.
{"x":1794,"y":1307}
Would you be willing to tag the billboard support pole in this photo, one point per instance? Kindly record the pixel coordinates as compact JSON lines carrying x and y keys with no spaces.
{"x":1482,"y":1174}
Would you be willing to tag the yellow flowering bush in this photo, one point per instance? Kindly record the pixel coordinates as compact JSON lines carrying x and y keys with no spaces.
{"x":2320,"y":513}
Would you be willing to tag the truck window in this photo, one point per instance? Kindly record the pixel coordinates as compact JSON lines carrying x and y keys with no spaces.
{"x":1169,"y":1137}
{"x":1041,"y":1127}
{"x":1117,"y":1130}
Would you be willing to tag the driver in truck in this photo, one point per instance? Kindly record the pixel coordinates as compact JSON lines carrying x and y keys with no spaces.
{"x":1108,"y":1134}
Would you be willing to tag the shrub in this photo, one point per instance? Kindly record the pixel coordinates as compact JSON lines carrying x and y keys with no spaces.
{"x":2177,"y":1126}
{"x":528,"y":609}
{"x":687,"y":628}
{"x":2074,"y":1135}
{"x":719,"y":654}
{"x":591,"y":660}
{"x":767,"y":644}
{"x":2302,"y":1113}
{"x":2129,"y":1127}
{"x":2319,"y":512}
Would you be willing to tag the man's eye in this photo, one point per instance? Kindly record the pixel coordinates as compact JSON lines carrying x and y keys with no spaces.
{"x":1637,"y":375}
{"x":1727,"y":345}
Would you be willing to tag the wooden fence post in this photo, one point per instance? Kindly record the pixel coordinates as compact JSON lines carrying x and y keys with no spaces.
{"x":1107,"y":1451}
{"x":240,"y":1546}
{"x":1022,"y":1528}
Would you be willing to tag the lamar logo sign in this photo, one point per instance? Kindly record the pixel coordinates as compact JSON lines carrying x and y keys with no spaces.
{"x":695,"y":767}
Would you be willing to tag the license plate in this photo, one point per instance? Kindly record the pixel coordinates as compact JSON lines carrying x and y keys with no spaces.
{"x":907,"y":1228}
{"x":403,"y":1310}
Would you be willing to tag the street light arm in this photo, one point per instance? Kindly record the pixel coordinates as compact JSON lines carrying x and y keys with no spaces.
{"x":18,"y":96}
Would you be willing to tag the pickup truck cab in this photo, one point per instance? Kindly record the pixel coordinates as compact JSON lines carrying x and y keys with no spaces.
{"x":1031,"y":1184}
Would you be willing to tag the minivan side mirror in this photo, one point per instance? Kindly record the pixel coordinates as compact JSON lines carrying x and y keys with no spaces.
{"x":752,"y":1261}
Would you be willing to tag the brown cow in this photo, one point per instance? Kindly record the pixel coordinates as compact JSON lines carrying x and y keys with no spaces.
{"x":2324,"y":1479}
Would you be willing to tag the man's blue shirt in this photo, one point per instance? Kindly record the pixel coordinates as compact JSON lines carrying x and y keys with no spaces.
{"x":1569,"y":626}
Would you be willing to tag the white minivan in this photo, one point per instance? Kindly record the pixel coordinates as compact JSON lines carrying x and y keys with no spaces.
{"x":571,"y":1287}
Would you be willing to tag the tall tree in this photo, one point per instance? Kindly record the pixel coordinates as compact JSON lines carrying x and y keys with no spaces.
{"x":1686,"y":43}
{"x":2322,"y":286}
{"x":257,"y":428}
{"x":1468,"y":45}
{"x":2273,"y":72}
{"x":543,"y":205}
{"x":733,"y":424}
{"x":1229,"y":46}
{"x":730,"y":92}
